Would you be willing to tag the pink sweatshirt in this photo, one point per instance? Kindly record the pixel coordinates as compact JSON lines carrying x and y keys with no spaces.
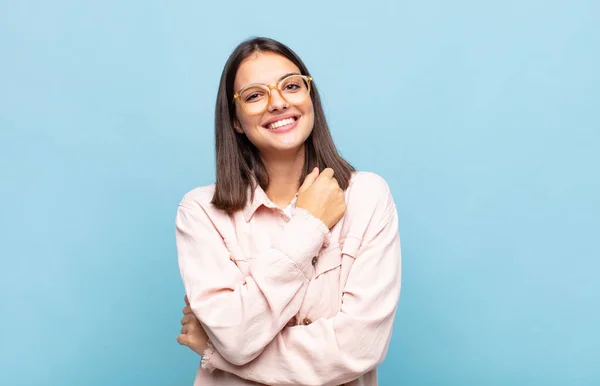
{"x":283,"y":299}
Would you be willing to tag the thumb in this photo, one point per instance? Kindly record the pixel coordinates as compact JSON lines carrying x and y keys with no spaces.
{"x":308,"y":181}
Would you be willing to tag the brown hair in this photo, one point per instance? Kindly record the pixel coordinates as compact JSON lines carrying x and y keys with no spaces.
{"x":238,"y":164}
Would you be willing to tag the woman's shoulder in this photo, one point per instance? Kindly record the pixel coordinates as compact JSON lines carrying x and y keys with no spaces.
{"x":368,"y":196}
{"x":202,"y":195}
{"x":200,"y":198}
{"x":198,"y":202}
{"x":368,"y":184}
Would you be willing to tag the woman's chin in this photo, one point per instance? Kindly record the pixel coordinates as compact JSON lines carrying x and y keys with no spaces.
{"x":285,"y":146}
{"x":288,"y":141}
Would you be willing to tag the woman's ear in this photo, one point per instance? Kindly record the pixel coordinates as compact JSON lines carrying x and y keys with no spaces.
{"x":237,"y":126}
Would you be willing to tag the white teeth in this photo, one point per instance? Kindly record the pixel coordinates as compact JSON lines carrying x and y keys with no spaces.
{"x":283,"y":122}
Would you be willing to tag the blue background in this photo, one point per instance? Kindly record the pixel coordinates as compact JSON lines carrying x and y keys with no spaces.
{"x":482,"y":116}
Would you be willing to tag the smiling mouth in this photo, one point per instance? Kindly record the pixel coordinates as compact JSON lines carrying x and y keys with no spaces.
{"x":281,"y":123}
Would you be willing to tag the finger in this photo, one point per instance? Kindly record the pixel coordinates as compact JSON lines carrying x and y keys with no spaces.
{"x":309,"y":180}
{"x":326,"y":174}
{"x":187,"y":319}
{"x":183,"y":340}
{"x":187,"y":310}
{"x":186,"y":300}
{"x":185,"y":329}
{"x":334,"y":183}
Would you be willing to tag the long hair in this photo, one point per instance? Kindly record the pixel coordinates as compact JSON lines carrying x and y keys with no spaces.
{"x":238,"y":164}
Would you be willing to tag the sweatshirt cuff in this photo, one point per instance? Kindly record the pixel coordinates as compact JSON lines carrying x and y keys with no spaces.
{"x":207,"y":356}
{"x":302,"y":239}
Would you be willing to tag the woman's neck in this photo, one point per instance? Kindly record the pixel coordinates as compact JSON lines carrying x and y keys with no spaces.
{"x":284,"y":175}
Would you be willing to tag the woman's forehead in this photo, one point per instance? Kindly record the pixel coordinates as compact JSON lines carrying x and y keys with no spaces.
{"x":263,"y":67}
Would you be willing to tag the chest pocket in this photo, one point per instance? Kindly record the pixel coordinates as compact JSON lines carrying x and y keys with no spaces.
{"x":340,"y":254}
{"x":331,"y":273}
{"x":322,"y":298}
{"x":349,"y":252}
{"x":328,"y":260}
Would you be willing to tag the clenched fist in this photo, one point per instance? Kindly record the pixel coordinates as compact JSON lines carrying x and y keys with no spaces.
{"x":192,"y":333}
{"x":322,"y":197}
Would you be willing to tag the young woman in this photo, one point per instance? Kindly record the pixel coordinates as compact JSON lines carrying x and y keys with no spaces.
{"x":291,"y":261}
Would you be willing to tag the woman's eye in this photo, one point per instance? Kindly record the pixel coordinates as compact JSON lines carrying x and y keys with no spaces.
{"x":292,"y":86}
{"x":252,"y":97}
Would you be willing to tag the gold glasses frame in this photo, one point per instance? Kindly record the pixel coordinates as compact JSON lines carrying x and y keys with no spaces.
{"x":268,"y":88}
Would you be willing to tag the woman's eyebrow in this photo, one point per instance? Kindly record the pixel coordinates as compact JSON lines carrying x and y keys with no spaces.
{"x":288,"y":74}
{"x":279,"y":80}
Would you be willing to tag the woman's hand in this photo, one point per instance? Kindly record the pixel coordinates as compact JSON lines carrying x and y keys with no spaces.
{"x":322,"y":197}
{"x":192,"y":333}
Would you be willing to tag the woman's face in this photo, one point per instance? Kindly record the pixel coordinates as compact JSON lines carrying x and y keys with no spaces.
{"x":282,"y":127}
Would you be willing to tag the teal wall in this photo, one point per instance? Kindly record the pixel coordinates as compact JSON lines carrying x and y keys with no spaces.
{"x":482,"y":116}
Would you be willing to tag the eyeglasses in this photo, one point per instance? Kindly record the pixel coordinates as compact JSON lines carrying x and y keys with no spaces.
{"x":255,"y":98}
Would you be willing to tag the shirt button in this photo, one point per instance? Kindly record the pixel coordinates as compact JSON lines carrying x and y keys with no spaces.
{"x":314,"y":260}
{"x":306,"y":321}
